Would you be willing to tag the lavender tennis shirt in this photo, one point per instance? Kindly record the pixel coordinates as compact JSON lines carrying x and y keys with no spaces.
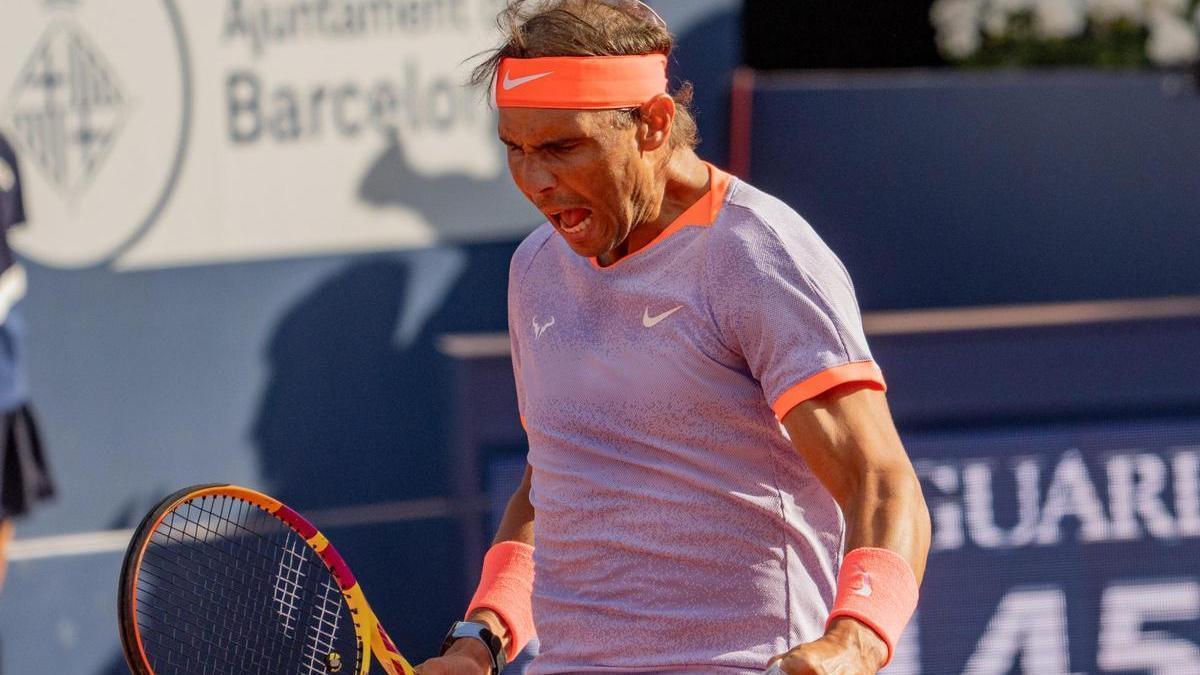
{"x":676,"y":528}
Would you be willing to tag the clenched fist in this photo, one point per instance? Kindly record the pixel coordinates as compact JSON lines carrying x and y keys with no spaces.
{"x":847,"y":648}
{"x":465,"y":657}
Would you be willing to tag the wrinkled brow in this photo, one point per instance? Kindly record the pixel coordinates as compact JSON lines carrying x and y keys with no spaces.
{"x":563,"y":140}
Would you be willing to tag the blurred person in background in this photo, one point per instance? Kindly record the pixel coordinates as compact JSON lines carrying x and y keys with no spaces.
{"x":664,"y":322}
{"x":24,"y":476}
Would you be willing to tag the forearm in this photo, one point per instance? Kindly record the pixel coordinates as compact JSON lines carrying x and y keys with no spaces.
{"x":516,"y":525}
{"x":517,"y":522}
{"x":850,"y":443}
{"x":887,"y":510}
{"x":883,"y":510}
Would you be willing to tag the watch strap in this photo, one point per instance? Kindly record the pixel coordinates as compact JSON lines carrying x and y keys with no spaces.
{"x":477,"y":631}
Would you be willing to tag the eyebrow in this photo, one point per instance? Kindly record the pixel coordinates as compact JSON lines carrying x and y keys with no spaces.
{"x":546,"y":144}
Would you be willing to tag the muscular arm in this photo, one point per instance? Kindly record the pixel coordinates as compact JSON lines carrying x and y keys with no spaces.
{"x":849,"y":441}
{"x":516,"y":525}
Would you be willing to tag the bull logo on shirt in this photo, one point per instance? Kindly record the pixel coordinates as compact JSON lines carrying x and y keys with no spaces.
{"x":538,"y":329}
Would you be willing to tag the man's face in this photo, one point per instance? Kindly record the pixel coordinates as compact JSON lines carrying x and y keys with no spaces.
{"x":582,"y":171}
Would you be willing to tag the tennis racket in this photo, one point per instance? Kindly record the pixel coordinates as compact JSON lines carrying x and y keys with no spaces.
{"x":221,"y":579}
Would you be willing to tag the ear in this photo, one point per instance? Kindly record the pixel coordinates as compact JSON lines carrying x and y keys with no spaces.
{"x":657,"y":119}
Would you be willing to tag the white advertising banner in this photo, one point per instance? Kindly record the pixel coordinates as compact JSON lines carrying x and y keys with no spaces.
{"x":156,"y":133}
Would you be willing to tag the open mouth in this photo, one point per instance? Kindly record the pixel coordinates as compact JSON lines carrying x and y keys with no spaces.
{"x":572,"y":221}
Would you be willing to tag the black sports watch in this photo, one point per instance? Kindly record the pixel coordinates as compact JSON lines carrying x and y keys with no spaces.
{"x":477,"y":631}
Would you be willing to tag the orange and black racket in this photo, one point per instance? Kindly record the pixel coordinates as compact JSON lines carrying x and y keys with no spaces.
{"x":224,"y":580}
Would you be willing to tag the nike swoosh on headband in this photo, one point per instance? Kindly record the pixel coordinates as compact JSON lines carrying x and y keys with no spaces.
{"x":511,"y":83}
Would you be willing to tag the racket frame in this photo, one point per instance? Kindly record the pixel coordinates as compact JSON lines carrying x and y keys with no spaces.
{"x":369,"y":633}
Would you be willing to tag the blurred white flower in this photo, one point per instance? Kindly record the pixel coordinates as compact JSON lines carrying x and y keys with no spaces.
{"x":1012,"y":6}
{"x":1109,"y":11}
{"x":960,"y":44}
{"x":995,"y":22}
{"x":1178,"y":7}
{"x":951,"y":15}
{"x":1173,"y":41}
{"x":957,"y":24}
{"x":1060,"y":19}
{"x":1174,"y":37}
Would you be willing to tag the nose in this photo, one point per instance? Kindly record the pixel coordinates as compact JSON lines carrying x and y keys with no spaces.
{"x":533,"y":177}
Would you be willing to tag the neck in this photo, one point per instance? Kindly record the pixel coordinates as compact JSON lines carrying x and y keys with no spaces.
{"x":684,"y":181}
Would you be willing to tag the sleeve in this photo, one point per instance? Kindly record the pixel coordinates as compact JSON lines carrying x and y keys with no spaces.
{"x":12,"y":205}
{"x":784,"y":302}
{"x":18,"y":216}
{"x":514,"y":335}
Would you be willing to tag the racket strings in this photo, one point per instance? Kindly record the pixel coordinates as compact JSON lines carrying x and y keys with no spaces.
{"x":323,"y":632}
{"x":225,"y":587}
{"x":158,"y":590}
{"x":288,"y":586}
{"x":180,"y":530}
{"x":176,"y":552}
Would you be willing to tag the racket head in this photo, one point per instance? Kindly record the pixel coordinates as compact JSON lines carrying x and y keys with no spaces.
{"x":224,"y":579}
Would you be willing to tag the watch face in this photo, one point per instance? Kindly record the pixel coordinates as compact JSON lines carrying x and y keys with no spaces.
{"x":478,"y":631}
{"x":471,"y":629}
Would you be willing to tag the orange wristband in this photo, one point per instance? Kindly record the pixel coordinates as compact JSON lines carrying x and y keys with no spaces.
{"x":506,"y":588}
{"x":877,"y":587}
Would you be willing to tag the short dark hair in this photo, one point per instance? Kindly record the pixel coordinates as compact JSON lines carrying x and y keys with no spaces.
{"x":538,"y":28}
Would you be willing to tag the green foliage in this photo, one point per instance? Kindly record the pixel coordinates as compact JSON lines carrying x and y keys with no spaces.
{"x":1121,"y":45}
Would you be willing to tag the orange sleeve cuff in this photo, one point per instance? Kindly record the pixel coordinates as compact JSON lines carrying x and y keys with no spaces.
{"x":866,"y":372}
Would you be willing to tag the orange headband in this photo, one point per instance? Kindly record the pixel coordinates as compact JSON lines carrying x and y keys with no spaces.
{"x":580,"y":82}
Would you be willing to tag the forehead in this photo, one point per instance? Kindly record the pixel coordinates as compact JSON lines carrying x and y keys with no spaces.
{"x":534,"y":125}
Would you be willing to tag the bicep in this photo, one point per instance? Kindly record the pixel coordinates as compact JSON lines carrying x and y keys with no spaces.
{"x":846,"y":435}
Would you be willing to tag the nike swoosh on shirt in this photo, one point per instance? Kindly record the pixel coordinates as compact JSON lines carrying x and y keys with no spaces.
{"x":511,"y":83}
{"x":652,"y":321}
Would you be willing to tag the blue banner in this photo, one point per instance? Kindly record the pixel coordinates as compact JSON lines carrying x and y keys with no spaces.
{"x":1056,"y":550}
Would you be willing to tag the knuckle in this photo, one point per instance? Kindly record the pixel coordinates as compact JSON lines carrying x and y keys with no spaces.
{"x":800,"y":664}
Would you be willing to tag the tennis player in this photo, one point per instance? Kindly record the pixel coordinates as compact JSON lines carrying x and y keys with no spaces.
{"x":715,"y":484}
{"x":25,"y":480}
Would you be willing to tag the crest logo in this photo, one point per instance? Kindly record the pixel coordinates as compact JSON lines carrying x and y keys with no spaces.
{"x":97,"y":104}
{"x":67,"y":108}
